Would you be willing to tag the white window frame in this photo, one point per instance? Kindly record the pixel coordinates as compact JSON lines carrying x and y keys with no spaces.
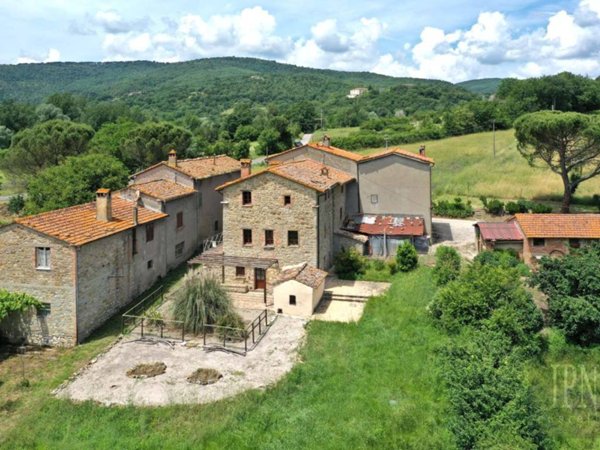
{"x":42,"y":258}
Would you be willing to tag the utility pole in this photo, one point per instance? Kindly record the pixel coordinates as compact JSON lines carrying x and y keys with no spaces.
{"x":494,"y":135}
{"x":386,"y":141}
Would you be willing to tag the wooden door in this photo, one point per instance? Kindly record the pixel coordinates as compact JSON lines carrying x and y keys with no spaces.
{"x":260,"y":279}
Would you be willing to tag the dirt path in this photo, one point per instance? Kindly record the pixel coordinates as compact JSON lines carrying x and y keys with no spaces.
{"x":456,"y":233}
{"x":106,"y":382}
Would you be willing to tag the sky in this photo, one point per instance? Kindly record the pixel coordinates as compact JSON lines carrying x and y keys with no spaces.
{"x":454,"y":40}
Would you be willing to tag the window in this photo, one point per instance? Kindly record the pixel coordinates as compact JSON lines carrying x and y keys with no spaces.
{"x":216,"y":225}
{"x":539,"y":242}
{"x":179,"y":249}
{"x":292,"y":237}
{"x":246,"y":198}
{"x":574,"y":243}
{"x":44,"y":310}
{"x":150,"y":264}
{"x":42,"y":258}
{"x":149,"y":232}
{"x":287,"y":200}
{"x":134,"y":241}
{"x":374,"y":199}
{"x":247,"y":236}
{"x":292,"y":300}
{"x":180,"y":219}
{"x":269,"y":238}
{"x":240,"y":271}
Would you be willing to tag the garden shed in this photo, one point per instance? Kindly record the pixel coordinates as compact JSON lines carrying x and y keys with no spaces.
{"x":298,"y":290}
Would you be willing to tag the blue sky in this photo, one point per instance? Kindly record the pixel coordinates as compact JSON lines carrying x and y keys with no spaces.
{"x":451,"y":40}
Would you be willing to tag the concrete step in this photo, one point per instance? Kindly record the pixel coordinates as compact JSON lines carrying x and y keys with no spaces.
{"x":345,"y":298}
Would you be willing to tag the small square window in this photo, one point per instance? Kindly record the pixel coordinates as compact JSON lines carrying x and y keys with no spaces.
{"x":374,"y":199}
{"x":150,"y":264}
{"x":42,"y":258}
{"x":293,"y":237}
{"x":539,"y":242}
{"x":44,"y":309}
{"x":287,"y":200}
{"x":149,"y":232}
{"x":246,"y":198}
{"x":292,"y":300}
{"x":180,"y":219}
{"x":247,"y":236}
{"x":240,"y":271}
{"x":179,"y":249}
{"x":269,"y":239}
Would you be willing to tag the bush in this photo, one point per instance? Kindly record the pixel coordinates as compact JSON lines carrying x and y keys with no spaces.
{"x":406,"y":257}
{"x":456,"y":209}
{"x":393,"y":266}
{"x":378,"y":264}
{"x":577,"y":317}
{"x":494,"y":206}
{"x":540,"y":208}
{"x":349,"y":264}
{"x":506,"y":259}
{"x":16,"y":204}
{"x":447,"y":265}
{"x":202,"y":300}
{"x":16,"y":302}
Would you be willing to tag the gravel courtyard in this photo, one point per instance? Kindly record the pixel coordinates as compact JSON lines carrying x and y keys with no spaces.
{"x":106,"y":382}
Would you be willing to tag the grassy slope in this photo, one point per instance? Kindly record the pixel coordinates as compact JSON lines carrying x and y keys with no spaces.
{"x":338,"y":397}
{"x":465,"y":166}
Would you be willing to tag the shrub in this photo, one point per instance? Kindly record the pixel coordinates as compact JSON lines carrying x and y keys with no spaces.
{"x":16,"y":204}
{"x":577,"y":317}
{"x":379,"y":264}
{"x":393,"y":266}
{"x":494,"y":206}
{"x":202,"y":300}
{"x":447,"y":265}
{"x":455,"y":209}
{"x":540,"y":208}
{"x":406,"y":257}
{"x":520,"y":206}
{"x":16,"y":302}
{"x":349,"y":264}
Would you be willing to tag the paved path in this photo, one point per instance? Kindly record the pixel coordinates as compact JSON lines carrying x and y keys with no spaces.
{"x":306,"y":138}
{"x":456,"y":233}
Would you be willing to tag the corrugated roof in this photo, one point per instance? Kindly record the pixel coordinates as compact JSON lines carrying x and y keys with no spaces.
{"x":204,"y":167}
{"x":583,"y":226}
{"x":306,"y":172}
{"x":77,"y":225}
{"x":399,"y":152}
{"x":500,"y":231}
{"x":389,"y":225}
{"x":162,"y":189}
{"x":303,"y":273}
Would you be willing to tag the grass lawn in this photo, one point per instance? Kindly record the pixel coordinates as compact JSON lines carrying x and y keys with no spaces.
{"x":374,"y":384}
{"x":7,"y":186}
{"x":333,"y":133}
{"x":465,"y":166}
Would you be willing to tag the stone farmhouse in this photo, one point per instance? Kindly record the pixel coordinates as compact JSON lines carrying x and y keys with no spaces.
{"x":534,"y":236}
{"x":86,"y":262}
{"x":300,"y":211}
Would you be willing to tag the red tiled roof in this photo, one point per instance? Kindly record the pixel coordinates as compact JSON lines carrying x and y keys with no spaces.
{"x":162,"y":189}
{"x":583,"y":226}
{"x":204,"y":167}
{"x":399,"y":152}
{"x":388,"y":225}
{"x":500,"y":231}
{"x":302,"y":273}
{"x":306,"y":172}
{"x":78,"y":225}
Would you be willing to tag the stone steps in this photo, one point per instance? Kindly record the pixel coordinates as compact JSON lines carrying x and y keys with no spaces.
{"x":328,"y":296}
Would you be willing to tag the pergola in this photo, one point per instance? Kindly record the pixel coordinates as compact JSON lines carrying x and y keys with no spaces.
{"x":219,"y":259}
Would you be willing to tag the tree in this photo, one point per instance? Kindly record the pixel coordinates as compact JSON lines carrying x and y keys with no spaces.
{"x":150,"y":142}
{"x":305,"y":115}
{"x":46,"y":144}
{"x":447,"y":265}
{"x":16,"y":116}
{"x":6,"y":135}
{"x":406,"y":257}
{"x":47,"y":111}
{"x":70,"y":105}
{"x":74,"y":182}
{"x":569,"y":143}
{"x":110,"y":138}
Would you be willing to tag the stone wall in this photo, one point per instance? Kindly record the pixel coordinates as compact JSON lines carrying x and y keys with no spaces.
{"x":188,"y":233}
{"x":18,"y":273}
{"x":211,"y":209}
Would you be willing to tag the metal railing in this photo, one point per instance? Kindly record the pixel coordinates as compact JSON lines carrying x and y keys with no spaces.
{"x":212,"y":242}
{"x":231,"y":338}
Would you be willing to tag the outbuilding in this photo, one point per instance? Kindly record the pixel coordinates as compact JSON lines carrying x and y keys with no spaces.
{"x":298,"y":290}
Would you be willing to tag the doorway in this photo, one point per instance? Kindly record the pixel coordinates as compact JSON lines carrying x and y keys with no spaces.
{"x":260,"y":278}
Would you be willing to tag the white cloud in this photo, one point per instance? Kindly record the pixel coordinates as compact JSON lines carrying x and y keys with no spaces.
{"x":53,"y":55}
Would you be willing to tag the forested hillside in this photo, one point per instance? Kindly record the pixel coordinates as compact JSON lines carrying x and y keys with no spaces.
{"x":483,"y":86}
{"x":207,"y":87}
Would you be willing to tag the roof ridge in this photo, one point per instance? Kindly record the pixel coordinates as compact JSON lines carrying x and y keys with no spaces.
{"x":204,"y":157}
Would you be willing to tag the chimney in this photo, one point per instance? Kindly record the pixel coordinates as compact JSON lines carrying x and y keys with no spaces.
{"x":103,"y":205}
{"x":246,"y":167}
{"x":172,"y":159}
{"x":422,"y":150}
{"x":135,"y":215}
{"x":136,"y":202}
{"x":326,"y":141}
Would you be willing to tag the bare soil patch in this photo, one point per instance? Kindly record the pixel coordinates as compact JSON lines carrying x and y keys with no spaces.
{"x":147,"y":370}
{"x":205,"y":376}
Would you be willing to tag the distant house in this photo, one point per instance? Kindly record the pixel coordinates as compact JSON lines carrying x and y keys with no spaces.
{"x":356,"y":92}
{"x":533,"y":236}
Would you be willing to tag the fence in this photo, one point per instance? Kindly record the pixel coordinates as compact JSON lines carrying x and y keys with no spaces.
{"x":138,"y":317}
{"x":231,"y":339}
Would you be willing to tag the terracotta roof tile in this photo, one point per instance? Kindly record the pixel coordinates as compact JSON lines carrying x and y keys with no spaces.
{"x":77,"y":225}
{"x":302,"y":273}
{"x":399,"y":152}
{"x":204,"y":167}
{"x":162,"y":189}
{"x":500,"y":231}
{"x":584,"y":226}
{"x":307,"y":172}
{"x":371,"y":224}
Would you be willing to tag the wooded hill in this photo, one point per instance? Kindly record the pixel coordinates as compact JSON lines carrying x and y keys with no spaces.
{"x":207,"y":87}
